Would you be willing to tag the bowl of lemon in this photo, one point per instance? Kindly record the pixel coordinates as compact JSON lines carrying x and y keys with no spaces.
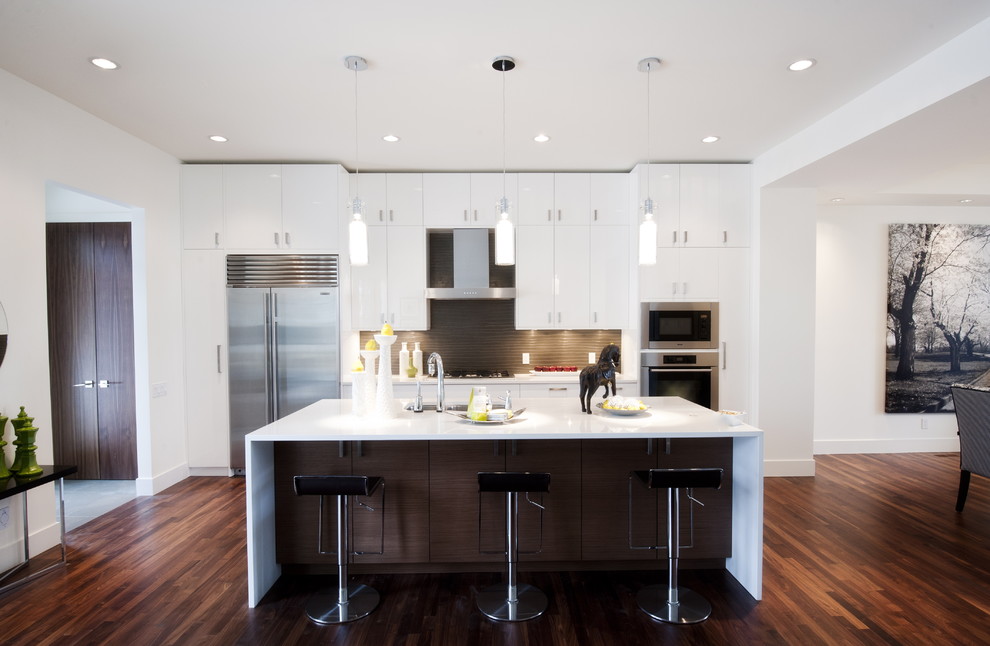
{"x":623,"y":406}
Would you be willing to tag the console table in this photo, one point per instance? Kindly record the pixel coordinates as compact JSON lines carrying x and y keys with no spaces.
{"x":14,"y":485}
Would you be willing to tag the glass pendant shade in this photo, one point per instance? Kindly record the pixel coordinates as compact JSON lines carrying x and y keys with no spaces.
{"x":648,"y":236}
{"x":358,"y":239}
{"x":505,"y":239}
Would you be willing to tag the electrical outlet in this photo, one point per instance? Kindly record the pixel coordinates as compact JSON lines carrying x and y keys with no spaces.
{"x":159,"y":389}
{"x":592,"y":358}
{"x":4,"y":515}
{"x":525,"y":358}
{"x":924,"y":422}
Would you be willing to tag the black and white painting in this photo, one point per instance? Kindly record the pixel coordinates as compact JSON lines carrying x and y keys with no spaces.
{"x":938,"y":314}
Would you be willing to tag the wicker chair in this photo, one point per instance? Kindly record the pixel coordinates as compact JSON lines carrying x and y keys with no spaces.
{"x":973,"y":417}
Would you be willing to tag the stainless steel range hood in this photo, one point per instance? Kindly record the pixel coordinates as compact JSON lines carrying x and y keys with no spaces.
{"x":471,"y":268}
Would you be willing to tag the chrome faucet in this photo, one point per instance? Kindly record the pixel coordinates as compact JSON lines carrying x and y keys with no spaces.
{"x":435,"y":365}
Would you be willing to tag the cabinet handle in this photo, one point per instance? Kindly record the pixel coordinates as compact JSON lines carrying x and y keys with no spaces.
{"x":666,"y":448}
{"x":465,"y":215}
{"x":391,"y":215}
{"x":549,"y":317}
{"x":558,"y":317}
{"x":549,"y":215}
{"x":288,"y":240}
{"x":558,"y":215}
{"x":216,"y":239}
{"x":219,"y":371}
{"x":341,"y":451}
{"x":649,"y":446}
{"x":596,"y":215}
{"x":381,"y":215}
{"x":684,"y":290}
{"x":360,"y":449}
{"x":725,"y":237}
{"x":495,"y":447}
{"x":276,"y":238}
{"x":596,"y":316}
{"x":514,"y":448}
{"x":476,"y":215}
{"x":685,"y":237}
{"x":675,"y":237}
{"x":673,"y":289}
{"x":558,"y":389}
{"x":723,"y":356}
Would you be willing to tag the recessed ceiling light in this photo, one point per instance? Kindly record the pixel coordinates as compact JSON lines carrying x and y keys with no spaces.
{"x":390,"y":138}
{"x":838,"y":199}
{"x":104,"y":63}
{"x":802,"y":65}
{"x":218,"y":138}
{"x":965,"y":201}
{"x":710,"y":139}
{"x":541,"y":139}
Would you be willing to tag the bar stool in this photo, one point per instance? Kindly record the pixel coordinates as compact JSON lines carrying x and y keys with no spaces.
{"x":346,"y":604}
{"x":674,"y":604}
{"x":509,"y":601}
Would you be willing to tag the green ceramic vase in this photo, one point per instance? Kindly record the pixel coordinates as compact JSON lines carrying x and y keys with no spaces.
{"x":25,"y":460}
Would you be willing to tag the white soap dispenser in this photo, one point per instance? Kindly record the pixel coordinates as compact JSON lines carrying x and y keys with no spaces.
{"x":417,"y":358}
{"x":403,"y":360}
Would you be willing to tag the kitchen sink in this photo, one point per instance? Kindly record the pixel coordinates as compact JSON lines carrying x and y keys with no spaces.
{"x":457,"y":408}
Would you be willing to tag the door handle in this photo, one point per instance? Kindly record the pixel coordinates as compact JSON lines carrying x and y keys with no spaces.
{"x":86,"y":384}
{"x":106,"y":384}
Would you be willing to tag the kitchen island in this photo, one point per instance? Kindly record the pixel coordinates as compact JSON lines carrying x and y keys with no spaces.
{"x":553,"y":422}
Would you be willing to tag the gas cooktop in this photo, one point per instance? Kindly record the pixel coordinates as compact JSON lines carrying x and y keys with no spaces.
{"x":477,"y":374}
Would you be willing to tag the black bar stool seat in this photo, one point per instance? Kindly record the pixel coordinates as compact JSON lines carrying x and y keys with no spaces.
{"x":509,"y":601}
{"x":346,"y":603}
{"x":670,"y":603}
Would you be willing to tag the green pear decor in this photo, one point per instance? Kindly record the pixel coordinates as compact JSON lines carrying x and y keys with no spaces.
{"x":25,"y":460}
{"x":4,"y":471}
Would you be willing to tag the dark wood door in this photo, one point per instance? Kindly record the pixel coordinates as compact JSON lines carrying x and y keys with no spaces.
{"x":91,"y":348}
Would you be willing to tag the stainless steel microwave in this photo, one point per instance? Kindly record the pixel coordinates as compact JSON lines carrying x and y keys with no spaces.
{"x":673,"y":325}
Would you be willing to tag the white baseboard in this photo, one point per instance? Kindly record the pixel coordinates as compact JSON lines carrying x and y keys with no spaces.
{"x":787,"y":468}
{"x":162,"y":481}
{"x":894,"y":445}
{"x":210,"y":471}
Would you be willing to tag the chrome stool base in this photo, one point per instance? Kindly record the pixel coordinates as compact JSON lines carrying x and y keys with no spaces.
{"x":494,"y":602}
{"x":324,"y":608}
{"x":691,"y":607}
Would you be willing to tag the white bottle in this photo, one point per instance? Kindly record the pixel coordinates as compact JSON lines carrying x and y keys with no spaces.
{"x":418,"y":360}
{"x":403,"y":361}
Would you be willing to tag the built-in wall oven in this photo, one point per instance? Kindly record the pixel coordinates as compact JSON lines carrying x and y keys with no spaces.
{"x":679,"y":354}
{"x":676,"y":373}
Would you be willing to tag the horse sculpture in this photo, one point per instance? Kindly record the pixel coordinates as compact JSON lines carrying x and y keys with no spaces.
{"x":599,"y":374}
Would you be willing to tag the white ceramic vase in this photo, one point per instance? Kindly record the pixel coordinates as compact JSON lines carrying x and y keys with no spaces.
{"x":370,"y":382}
{"x":385,"y":398}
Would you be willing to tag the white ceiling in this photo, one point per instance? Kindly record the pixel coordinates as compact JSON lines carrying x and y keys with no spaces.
{"x":270,"y":76}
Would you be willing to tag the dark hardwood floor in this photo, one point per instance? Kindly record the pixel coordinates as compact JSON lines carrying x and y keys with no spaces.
{"x":870,"y":551}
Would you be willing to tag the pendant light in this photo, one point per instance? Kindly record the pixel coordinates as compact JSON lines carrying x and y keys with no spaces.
{"x":505,"y":242}
{"x":648,"y":227}
{"x":358,"y":229}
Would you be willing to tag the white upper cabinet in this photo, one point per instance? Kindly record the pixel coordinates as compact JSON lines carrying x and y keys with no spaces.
{"x":699,"y":219}
{"x":571,"y":272}
{"x":253,"y":205}
{"x":535,"y":306}
{"x":487,"y":190}
{"x":662,"y":185}
{"x":535,"y":199}
{"x":370,"y":188}
{"x":610,"y":199}
{"x":309,"y":207}
{"x":202,"y":206}
{"x":680,"y":274}
{"x":609,"y":277}
{"x":572,"y":199}
{"x":405,"y":198}
{"x":734,"y":204}
{"x":447,"y":200}
{"x":392,"y":286}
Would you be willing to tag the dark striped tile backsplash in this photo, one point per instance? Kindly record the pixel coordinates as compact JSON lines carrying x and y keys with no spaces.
{"x":473,"y":335}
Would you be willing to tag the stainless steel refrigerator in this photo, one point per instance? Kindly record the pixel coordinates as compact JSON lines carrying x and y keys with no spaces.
{"x":283,"y":339}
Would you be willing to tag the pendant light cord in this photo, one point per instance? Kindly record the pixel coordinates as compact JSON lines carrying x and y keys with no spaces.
{"x":357,"y":162}
{"x":649,"y":70}
{"x":503,"y":129}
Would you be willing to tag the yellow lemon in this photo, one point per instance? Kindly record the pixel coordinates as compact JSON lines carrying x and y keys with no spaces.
{"x":387,"y":330}
{"x":358,"y":367}
{"x":371,"y":345}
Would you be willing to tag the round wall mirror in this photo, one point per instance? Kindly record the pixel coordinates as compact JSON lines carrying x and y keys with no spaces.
{"x":3,"y":334}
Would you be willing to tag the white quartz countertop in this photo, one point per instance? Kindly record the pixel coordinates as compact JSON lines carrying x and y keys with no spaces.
{"x":544,"y":418}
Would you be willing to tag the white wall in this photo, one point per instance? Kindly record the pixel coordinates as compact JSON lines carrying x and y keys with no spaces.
{"x":43,"y":139}
{"x":851,"y":325}
{"x":786,"y":338}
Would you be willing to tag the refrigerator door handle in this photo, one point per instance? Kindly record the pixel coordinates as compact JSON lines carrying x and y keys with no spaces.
{"x":269,"y":387}
{"x":276,"y":395}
